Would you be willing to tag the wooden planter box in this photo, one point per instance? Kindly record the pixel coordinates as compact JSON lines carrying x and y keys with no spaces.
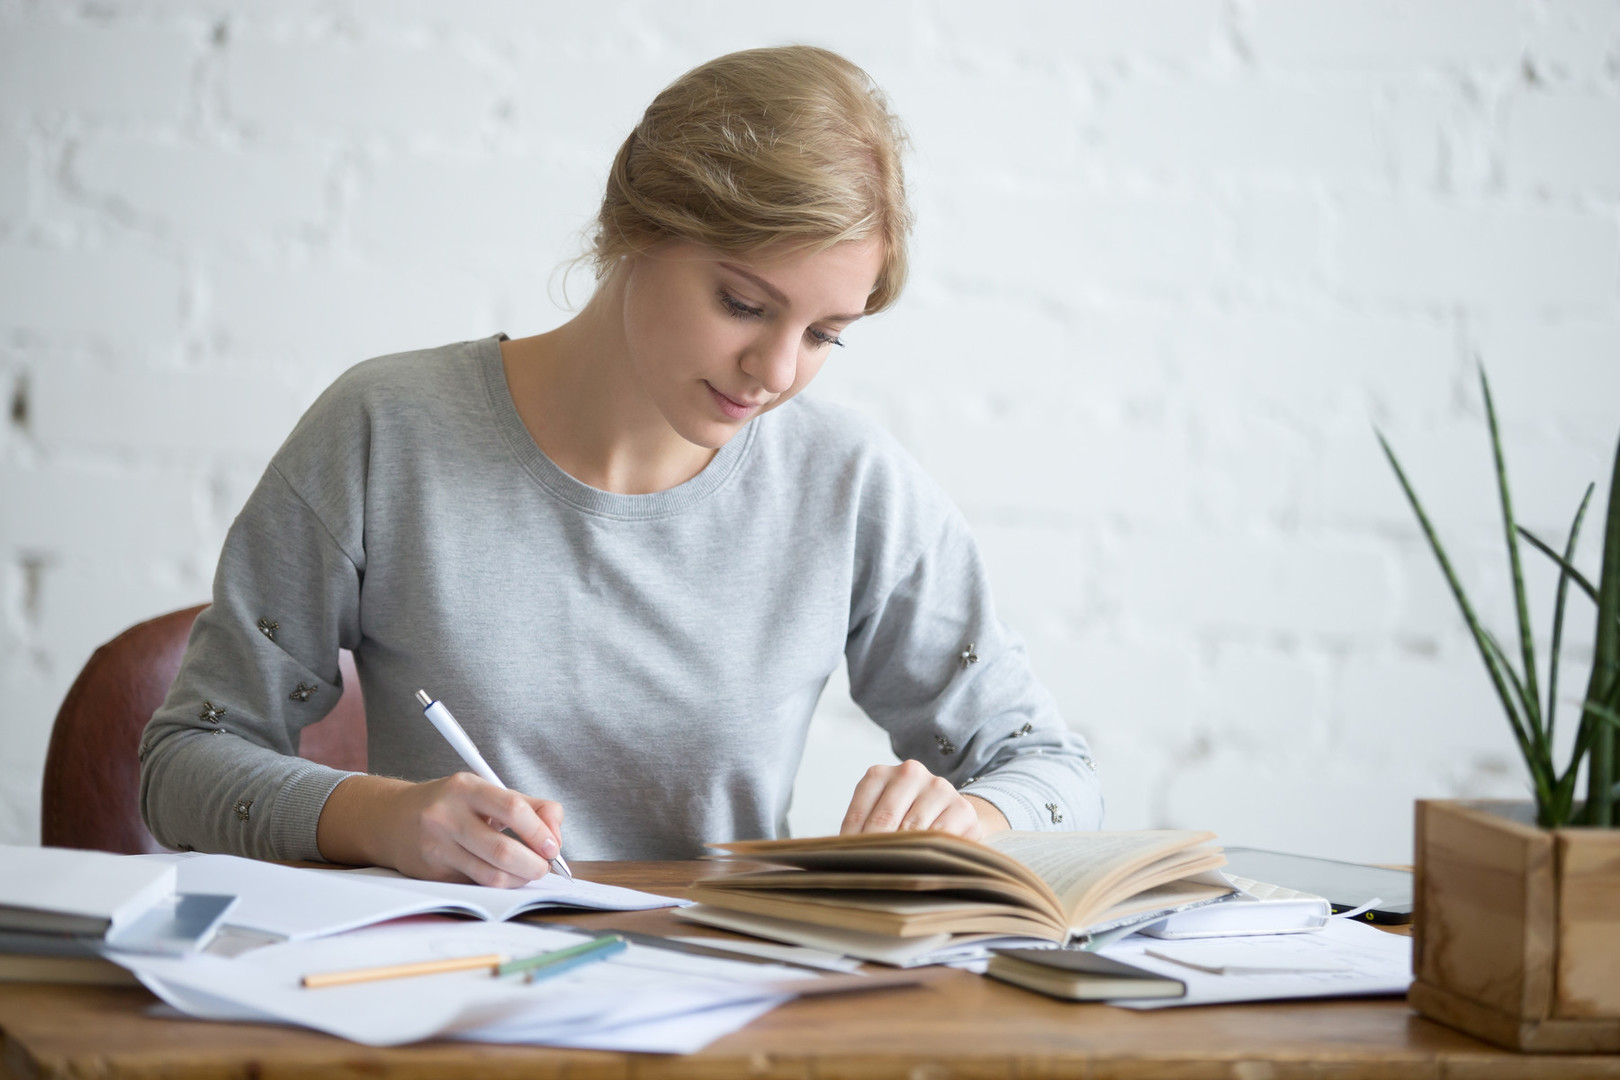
{"x":1517,"y":929}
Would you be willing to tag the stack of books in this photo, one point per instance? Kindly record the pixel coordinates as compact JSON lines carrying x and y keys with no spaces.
{"x":58,"y":906}
{"x":907,"y":898}
{"x":62,"y":910}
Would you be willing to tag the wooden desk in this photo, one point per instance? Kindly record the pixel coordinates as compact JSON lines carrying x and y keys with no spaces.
{"x":956,"y":1025}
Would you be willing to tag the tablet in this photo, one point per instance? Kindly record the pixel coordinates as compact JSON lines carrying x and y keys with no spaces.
{"x":1346,"y":885}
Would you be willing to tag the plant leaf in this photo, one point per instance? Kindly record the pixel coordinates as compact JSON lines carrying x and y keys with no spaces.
{"x":1537,"y":756}
{"x":1457,"y":592}
{"x":1563,"y":561}
{"x":1527,"y":641}
{"x":1585,"y":734}
{"x":1605,"y":762}
{"x":1602,"y":712}
{"x":1574,"y":572}
{"x":1558,"y":611}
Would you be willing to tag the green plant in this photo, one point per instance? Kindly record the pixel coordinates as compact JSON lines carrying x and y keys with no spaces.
{"x":1534,"y":725}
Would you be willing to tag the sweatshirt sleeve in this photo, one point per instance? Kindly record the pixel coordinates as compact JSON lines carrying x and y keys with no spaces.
{"x":931,"y":663}
{"x":219,"y":770}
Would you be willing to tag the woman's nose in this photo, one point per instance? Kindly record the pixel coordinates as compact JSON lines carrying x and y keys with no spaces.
{"x":774,"y":362}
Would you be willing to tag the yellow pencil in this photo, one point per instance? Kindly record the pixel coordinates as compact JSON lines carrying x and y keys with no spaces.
{"x":403,"y":971}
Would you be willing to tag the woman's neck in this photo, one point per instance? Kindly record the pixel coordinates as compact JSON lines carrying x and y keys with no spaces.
{"x":577,"y":393}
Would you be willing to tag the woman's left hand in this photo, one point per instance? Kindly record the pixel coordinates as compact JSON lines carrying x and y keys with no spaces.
{"x":907,"y":796}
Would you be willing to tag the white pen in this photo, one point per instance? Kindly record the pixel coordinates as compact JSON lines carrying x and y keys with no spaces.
{"x":440,"y":718}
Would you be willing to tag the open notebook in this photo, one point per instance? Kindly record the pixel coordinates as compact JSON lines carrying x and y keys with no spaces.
{"x":293,"y":903}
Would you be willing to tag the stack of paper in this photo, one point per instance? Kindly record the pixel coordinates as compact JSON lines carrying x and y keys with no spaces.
{"x":642,"y":999}
{"x":1256,"y":908}
{"x":1343,"y":959}
{"x":290,"y":922}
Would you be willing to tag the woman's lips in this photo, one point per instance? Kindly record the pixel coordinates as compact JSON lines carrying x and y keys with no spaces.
{"x":733,"y":408}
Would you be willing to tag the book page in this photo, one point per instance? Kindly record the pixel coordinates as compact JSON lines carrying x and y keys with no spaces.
{"x":922,"y":852}
{"x":802,"y":880}
{"x":551,"y":891}
{"x":1077,"y":864}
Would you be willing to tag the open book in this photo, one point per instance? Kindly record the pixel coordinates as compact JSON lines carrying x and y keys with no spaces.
{"x":1055,"y":886}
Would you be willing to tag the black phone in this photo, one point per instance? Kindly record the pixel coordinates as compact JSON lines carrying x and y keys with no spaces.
{"x":1346,"y":885}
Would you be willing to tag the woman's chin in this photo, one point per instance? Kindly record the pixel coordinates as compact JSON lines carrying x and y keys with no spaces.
{"x":710,"y":436}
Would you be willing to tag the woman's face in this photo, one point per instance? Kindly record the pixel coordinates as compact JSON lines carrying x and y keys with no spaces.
{"x":715,"y":340}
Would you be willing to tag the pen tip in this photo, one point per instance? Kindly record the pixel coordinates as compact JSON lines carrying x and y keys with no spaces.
{"x":424,"y":697}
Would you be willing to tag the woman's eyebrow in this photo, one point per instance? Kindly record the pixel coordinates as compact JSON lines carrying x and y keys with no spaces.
{"x":777,"y":294}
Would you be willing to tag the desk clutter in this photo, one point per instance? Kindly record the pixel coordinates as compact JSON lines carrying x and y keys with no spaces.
{"x":385,"y":960}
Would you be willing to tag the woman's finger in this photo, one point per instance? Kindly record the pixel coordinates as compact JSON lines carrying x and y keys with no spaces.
{"x":551,"y":815}
{"x":514,"y":811}
{"x":960,"y":819}
{"x":505,"y":860}
{"x":866,"y":795}
{"x":901,"y":785}
{"x":935,"y":799}
{"x":467,"y":865}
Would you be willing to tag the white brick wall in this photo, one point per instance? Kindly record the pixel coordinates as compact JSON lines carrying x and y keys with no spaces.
{"x":200,"y":194}
{"x":71,"y":71}
{"x":1175,"y":259}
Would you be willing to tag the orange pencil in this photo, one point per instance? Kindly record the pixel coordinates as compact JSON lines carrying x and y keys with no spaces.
{"x":403,"y":971}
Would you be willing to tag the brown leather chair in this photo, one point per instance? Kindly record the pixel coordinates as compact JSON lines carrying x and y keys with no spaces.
{"x":91,"y":797}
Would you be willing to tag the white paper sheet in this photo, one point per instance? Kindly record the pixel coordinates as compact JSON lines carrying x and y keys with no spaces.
{"x":682,"y":1034}
{"x":701,"y":999}
{"x":630,"y":1001}
{"x":789,"y":954}
{"x":1365,"y":963}
{"x":1238,"y":959}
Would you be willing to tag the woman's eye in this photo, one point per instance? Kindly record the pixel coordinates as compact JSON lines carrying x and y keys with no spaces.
{"x":737,"y":309}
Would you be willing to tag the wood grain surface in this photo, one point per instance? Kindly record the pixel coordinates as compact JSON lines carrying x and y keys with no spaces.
{"x":1518,"y":928}
{"x":954,"y":1025}
{"x":1487,"y":908}
{"x":1588,"y":978}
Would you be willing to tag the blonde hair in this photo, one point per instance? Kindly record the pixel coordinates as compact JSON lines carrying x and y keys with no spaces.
{"x":790,"y":145}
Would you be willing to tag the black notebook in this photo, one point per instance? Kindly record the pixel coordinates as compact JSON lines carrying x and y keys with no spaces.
{"x":1079,"y":976}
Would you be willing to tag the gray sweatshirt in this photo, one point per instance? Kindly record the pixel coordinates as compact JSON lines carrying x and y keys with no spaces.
{"x":649,"y":661}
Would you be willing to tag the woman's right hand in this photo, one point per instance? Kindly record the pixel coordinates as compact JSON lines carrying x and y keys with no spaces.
{"x":441,"y":830}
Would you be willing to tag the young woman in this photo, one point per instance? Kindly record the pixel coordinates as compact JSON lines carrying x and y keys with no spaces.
{"x":624,"y":553}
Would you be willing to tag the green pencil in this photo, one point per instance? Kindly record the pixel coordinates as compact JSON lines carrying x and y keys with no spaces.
{"x":547,"y":964}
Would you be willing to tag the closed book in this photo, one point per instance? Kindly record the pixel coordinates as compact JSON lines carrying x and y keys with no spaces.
{"x":82,"y":970}
{"x":58,"y":958}
{"x":68,"y":891}
{"x":1076,"y":975}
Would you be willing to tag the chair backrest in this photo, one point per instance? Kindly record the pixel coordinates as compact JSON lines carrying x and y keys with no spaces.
{"x":91,"y":796}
